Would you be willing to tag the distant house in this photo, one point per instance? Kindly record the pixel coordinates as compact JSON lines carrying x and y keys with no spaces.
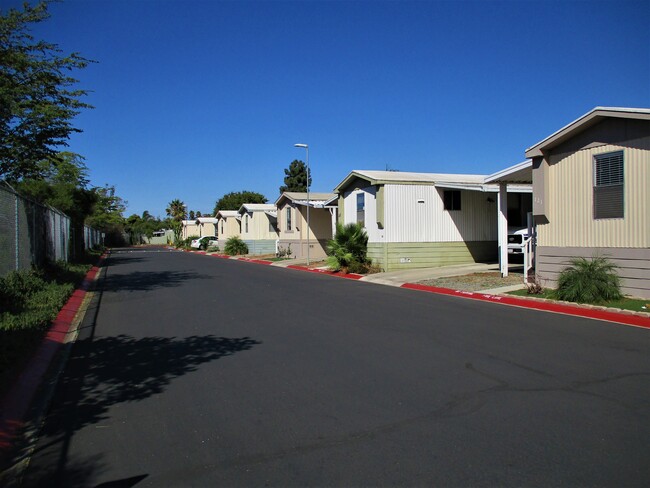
{"x":417,"y":220}
{"x":591,"y":194}
{"x":259,"y":227}
{"x":201,"y":226}
{"x":228,"y":226}
{"x":292,"y":222}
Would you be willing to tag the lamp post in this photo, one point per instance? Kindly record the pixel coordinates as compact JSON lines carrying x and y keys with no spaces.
{"x":308,"y":205}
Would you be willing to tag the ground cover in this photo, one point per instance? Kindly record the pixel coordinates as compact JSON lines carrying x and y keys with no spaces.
{"x":29,"y":301}
{"x":626,"y":303}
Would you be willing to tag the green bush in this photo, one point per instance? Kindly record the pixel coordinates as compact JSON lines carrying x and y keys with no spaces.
{"x":589,"y":281}
{"x":29,"y":301}
{"x":186,"y":243}
{"x":213,"y":249}
{"x":235,"y":246}
{"x":347,"y":251}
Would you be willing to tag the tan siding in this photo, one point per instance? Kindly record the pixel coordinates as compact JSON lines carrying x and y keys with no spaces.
{"x":569,"y":209}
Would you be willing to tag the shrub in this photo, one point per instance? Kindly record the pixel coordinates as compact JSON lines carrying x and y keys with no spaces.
{"x":589,"y":281}
{"x":29,"y":301}
{"x":347,"y":250}
{"x":213,"y":249}
{"x":284,"y":252}
{"x":235,"y":246}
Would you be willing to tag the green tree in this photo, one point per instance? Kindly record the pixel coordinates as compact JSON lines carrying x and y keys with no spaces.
{"x":37,"y":96}
{"x":234,"y":200}
{"x":191,"y":214}
{"x":295,"y":178}
{"x":62,"y":183}
{"x":107,"y":214}
{"x":176,"y":210}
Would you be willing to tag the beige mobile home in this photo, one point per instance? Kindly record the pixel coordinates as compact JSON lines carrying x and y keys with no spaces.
{"x":417,"y":220}
{"x":292,"y":222}
{"x":591,"y":194}
{"x":259,"y":227}
{"x":227,"y":226}
{"x":201,"y":226}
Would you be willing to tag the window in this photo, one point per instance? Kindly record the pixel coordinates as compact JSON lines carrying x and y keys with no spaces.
{"x":361,"y":209}
{"x":246,"y":223}
{"x":222,"y":227}
{"x":608,"y":186}
{"x":451,"y":199}
{"x":288,"y":218}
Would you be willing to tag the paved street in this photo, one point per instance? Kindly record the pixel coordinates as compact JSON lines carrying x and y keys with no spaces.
{"x":198,"y":371}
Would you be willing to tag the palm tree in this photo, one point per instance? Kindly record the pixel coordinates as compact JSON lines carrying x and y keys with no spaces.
{"x":176,"y":210}
{"x":349,"y":246}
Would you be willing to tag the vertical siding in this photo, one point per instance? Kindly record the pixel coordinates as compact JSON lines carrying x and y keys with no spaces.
{"x":410,"y":221}
{"x":350,"y":211}
{"x":570,"y":203}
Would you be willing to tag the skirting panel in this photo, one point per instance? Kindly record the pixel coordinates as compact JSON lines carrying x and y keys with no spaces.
{"x":411,"y":255}
{"x":633,"y":265}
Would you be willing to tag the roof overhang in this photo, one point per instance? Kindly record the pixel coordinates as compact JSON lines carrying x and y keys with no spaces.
{"x":583,"y":123}
{"x":518,"y":173}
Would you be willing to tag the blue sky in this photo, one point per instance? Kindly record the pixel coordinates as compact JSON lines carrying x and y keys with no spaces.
{"x":196,"y":99}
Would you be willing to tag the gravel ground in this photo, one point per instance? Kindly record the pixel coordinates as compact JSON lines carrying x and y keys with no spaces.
{"x":476,"y":281}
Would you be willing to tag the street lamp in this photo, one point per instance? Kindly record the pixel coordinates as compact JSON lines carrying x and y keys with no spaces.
{"x":308,"y":227}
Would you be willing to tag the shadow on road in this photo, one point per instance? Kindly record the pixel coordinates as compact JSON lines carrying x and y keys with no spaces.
{"x":149,"y":280}
{"x":108,"y":371}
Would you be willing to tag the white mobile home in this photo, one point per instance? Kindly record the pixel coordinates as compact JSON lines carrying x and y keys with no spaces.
{"x":417,"y":220}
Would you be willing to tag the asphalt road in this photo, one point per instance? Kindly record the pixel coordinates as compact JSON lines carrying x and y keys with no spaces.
{"x":197,"y":371}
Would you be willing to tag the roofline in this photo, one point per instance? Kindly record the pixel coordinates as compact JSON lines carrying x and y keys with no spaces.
{"x":384,"y":181}
{"x":582,"y":123}
{"x":508,"y":171}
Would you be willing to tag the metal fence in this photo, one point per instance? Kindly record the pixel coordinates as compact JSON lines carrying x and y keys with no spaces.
{"x":31,"y":233}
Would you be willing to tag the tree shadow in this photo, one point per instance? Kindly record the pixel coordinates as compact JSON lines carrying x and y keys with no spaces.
{"x":108,"y":371}
{"x":149,"y":280}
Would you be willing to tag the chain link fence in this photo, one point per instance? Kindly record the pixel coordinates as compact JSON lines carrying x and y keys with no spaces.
{"x":31,"y":233}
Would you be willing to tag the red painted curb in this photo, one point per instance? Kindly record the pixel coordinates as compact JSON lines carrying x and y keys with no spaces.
{"x":349,"y":276}
{"x":14,"y":406}
{"x":589,"y":313}
{"x":257,"y":261}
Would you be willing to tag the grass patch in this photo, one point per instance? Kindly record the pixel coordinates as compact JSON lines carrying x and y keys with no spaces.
{"x":634,"y":304}
{"x":29,"y":301}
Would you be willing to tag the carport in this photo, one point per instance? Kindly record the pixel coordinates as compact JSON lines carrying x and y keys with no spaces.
{"x":518,"y":174}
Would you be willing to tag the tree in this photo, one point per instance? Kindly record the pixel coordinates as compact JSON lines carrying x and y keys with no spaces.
{"x":176,"y":210}
{"x":234,"y":200}
{"x":63,"y":184}
{"x":295,"y":178}
{"x":348,"y":248}
{"x":37,"y":98}
{"x":191,"y":214}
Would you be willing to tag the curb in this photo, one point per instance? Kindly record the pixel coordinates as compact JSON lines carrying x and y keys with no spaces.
{"x":545,"y":306}
{"x":349,"y":276}
{"x":16,"y":403}
{"x":590,"y":312}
